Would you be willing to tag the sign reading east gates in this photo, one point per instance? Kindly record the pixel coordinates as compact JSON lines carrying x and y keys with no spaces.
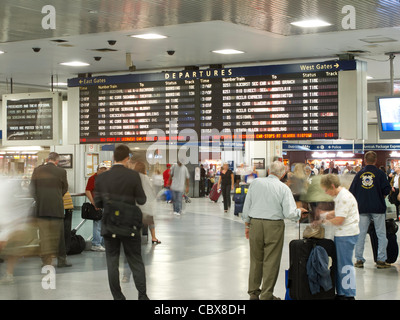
{"x":285,"y":102}
{"x":30,"y":119}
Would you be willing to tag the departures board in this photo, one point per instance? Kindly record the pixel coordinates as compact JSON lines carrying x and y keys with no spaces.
{"x":285,"y":102}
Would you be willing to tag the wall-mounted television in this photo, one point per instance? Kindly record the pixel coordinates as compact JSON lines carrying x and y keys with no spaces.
{"x":388,"y":112}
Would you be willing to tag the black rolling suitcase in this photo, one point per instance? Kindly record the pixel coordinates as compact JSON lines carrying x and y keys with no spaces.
{"x":298,"y":282}
{"x":392,"y":248}
{"x":77,"y":243}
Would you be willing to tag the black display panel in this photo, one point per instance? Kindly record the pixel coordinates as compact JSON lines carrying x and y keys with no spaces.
{"x":29,"y":119}
{"x":288,"y":102}
{"x":128,"y":112}
{"x":278,"y":107}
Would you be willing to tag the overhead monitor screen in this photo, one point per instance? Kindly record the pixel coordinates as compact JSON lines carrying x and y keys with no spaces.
{"x":388,"y":111}
{"x":30,"y":119}
{"x":284,"y":102}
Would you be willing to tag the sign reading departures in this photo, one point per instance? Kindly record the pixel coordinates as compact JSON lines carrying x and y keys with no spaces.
{"x":285,"y":102}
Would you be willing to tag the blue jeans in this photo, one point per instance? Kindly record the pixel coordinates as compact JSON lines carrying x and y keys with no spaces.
{"x":380,"y":227}
{"x":177,"y":200}
{"x":97,"y":238}
{"x":345,"y":273}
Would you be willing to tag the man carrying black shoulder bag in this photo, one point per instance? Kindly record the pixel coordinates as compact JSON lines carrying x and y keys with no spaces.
{"x":118,"y":190}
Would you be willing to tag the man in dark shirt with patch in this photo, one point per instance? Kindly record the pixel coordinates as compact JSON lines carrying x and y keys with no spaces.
{"x":370,"y":187}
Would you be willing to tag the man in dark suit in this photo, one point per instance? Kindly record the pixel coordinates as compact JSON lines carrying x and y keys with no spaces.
{"x":118,"y":190}
{"x":331,"y":168}
{"x":48,"y":186}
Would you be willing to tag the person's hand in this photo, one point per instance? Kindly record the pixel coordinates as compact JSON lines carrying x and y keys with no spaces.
{"x":187,"y":189}
{"x":246,"y":232}
{"x":303,"y":212}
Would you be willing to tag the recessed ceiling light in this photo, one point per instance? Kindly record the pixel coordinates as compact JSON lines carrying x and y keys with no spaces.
{"x":315,"y":23}
{"x":149,"y":36}
{"x":75,"y":64}
{"x":228,"y":51}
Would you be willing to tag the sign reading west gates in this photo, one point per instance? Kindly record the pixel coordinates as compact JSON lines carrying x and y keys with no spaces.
{"x":284,"y":102}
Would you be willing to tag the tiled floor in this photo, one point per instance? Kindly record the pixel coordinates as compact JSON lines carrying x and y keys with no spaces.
{"x":203,"y":256}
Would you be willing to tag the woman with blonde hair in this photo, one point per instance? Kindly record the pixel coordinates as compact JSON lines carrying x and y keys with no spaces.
{"x":148,"y":207}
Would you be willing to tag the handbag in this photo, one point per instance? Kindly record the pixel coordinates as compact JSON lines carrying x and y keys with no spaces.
{"x":122,"y":219}
{"x":89,"y":212}
{"x":316,"y":232}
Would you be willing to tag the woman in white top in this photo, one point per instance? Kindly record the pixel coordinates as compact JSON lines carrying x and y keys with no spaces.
{"x":345,"y":218}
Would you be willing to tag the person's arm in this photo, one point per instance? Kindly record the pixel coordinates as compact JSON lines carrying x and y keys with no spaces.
{"x":89,"y":189}
{"x":64,"y":182}
{"x":232,"y":181}
{"x":289,"y":207}
{"x":330,"y":218}
{"x":139,"y":195}
{"x":245,"y":212}
{"x":98,"y":199}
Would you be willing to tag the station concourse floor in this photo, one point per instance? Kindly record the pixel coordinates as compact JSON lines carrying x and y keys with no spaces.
{"x":204,"y":255}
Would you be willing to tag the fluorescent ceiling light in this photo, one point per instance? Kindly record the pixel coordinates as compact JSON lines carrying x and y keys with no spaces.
{"x":60,"y":84}
{"x":228,"y":51}
{"x":1,"y":52}
{"x":149,"y":36}
{"x":75,"y":64}
{"x":311,"y":23}
{"x":369,"y":78}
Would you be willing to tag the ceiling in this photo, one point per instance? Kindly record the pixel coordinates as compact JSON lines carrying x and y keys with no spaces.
{"x":260,"y":28}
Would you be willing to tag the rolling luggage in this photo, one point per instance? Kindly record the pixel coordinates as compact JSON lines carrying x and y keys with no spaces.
{"x":239,"y":197}
{"x":392,"y":246}
{"x":78,"y":243}
{"x":215,"y":193}
{"x":298,"y":281}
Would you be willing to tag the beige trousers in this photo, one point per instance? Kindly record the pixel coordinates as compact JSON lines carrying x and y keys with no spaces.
{"x":266,"y":243}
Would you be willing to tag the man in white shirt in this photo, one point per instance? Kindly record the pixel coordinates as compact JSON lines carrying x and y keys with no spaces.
{"x":268,"y":203}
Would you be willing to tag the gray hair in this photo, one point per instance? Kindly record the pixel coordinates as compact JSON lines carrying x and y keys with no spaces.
{"x":53,"y":156}
{"x":277,"y":168}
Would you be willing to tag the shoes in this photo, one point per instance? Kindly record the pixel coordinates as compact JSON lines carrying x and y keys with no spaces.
{"x":7,"y":279}
{"x":125,"y":279}
{"x":382,"y":265}
{"x":359,"y":264}
{"x":155,"y":241}
{"x":254,"y":297}
{"x":177,"y":213}
{"x":98,"y":248}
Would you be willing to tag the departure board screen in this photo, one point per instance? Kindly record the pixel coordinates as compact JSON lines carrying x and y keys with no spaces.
{"x":284,"y":107}
{"x":287,"y":102}
{"x":129,"y":112}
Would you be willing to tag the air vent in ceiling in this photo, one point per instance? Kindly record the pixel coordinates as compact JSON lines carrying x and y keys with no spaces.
{"x":104,"y":50}
{"x":59,"y":40}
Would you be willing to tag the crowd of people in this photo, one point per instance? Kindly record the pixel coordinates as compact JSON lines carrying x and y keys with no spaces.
{"x":125,"y":195}
{"x":357,"y":196}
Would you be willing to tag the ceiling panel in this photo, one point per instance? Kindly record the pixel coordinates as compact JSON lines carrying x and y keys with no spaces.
{"x":21,"y":19}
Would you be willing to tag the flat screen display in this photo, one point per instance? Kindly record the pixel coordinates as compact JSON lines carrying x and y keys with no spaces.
{"x":31,"y":119}
{"x":388,"y":111}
